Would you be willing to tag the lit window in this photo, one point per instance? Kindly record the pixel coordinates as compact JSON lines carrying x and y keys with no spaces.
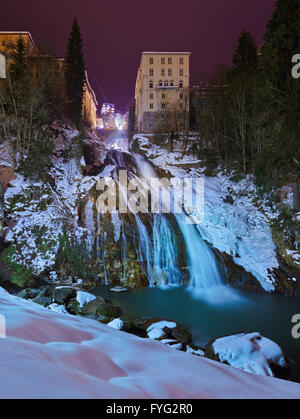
{"x":181,"y":60}
{"x":151,"y":72}
{"x":151,"y":84}
{"x":170,"y":72}
{"x":169,"y":60}
{"x":181,"y":72}
{"x":163,"y":60}
{"x":163,"y":72}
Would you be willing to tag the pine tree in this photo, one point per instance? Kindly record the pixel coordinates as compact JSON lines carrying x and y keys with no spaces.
{"x":280,"y":93}
{"x":19,"y":66}
{"x":245,"y":59}
{"x":75,"y":74}
{"x":239,"y":98}
{"x":281,"y":42}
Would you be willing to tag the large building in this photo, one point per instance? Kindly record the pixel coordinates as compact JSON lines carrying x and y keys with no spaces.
{"x":44,"y":69}
{"x":162,"y":91}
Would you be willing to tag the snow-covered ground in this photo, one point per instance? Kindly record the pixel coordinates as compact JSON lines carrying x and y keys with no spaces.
{"x":52,"y":355}
{"x":240,"y":228}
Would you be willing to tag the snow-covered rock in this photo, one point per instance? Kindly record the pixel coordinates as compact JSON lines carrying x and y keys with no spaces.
{"x":51,"y":355}
{"x":155,"y":330}
{"x":84,"y":298}
{"x":116,"y":324}
{"x":249,"y":352}
{"x":57,"y":308}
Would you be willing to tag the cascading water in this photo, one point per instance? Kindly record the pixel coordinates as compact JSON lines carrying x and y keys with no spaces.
{"x":204,"y":272}
{"x":156,"y":241}
{"x":165,"y":252}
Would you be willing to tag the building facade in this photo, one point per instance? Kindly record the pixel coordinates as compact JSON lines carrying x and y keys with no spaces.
{"x":162,"y":91}
{"x":8,"y":42}
{"x":44,"y":70}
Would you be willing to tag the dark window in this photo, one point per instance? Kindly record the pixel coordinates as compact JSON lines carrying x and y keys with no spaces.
{"x":169,"y":60}
{"x":163,"y":60}
{"x":151,"y":60}
{"x":151,"y":84}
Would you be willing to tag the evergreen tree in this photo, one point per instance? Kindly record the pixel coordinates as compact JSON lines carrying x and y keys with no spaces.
{"x":239,"y":100}
{"x":281,"y":42}
{"x":75,"y":74}
{"x":280,"y":96}
{"x":245,"y":57}
{"x":19,"y":66}
{"x":131,"y":121}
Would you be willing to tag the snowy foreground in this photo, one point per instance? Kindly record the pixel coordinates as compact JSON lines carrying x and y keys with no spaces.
{"x":51,"y":355}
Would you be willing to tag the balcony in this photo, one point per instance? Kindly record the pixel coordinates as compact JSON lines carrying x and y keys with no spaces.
{"x":167,"y":87}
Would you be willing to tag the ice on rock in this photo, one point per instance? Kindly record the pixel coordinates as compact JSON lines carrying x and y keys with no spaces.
{"x":84,"y":298}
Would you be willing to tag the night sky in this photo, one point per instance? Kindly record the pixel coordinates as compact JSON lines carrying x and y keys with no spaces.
{"x":116,"y":32}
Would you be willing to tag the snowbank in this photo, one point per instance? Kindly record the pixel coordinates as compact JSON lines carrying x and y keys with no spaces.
{"x":51,"y":355}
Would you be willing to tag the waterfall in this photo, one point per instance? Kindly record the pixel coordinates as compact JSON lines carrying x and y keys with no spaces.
{"x":204,"y":272}
{"x":155,"y":241}
{"x":165,"y":251}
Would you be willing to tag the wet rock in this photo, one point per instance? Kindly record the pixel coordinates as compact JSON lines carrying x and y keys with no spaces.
{"x":160,"y":329}
{"x":44,"y":297}
{"x":92,"y":306}
{"x":135,"y":327}
{"x":28,"y":293}
{"x":62,"y":295}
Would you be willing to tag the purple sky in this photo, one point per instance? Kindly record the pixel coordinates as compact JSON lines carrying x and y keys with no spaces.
{"x":116,"y":32}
